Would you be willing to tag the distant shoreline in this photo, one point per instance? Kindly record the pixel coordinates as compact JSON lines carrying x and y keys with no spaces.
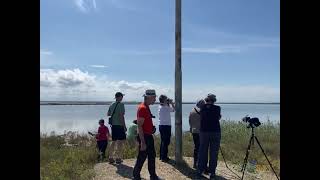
{"x":109,"y":102}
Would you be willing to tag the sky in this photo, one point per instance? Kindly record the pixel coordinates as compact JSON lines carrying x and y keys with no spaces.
{"x":90,"y":49}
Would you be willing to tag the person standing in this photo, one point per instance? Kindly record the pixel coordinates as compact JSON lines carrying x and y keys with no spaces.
{"x":164,"y":111}
{"x":116,"y":112}
{"x":145,"y":138}
{"x":194,"y":122}
{"x":210,"y":135}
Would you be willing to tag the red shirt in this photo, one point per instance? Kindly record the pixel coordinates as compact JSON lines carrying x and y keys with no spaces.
{"x":144,"y":112}
{"x":103,"y":131}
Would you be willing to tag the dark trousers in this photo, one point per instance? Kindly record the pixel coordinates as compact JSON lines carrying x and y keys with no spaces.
{"x":212,"y":140}
{"x":196,"y":142}
{"x":102,"y":146}
{"x":142,"y":155}
{"x":165,"y":133}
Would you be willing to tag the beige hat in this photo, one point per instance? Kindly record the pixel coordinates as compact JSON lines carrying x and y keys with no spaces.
{"x":150,"y":92}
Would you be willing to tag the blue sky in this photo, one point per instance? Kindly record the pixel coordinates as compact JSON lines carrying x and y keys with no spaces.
{"x":89,"y":49}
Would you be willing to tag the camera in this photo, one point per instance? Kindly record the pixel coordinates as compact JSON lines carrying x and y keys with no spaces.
{"x":169,"y":100}
{"x":152,"y":116}
{"x":154,"y":129}
{"x":253,"y":122}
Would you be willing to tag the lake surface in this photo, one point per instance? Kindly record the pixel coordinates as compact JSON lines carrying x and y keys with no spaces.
{"x":83,"y":118}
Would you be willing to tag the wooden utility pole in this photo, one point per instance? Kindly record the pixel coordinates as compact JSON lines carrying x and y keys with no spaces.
{"x":178,"y":86}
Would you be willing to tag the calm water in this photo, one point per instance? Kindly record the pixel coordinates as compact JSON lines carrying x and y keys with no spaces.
{"x":81,"y":118}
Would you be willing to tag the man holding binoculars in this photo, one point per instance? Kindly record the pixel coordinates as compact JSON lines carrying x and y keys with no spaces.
{"x":165,"y":125}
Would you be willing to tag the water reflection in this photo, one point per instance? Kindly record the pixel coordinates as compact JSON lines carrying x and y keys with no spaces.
{"x":82,"y":118}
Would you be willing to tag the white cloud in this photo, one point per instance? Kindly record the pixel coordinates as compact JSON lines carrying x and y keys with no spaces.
{"x":237,"y":93}
{"x":217,"y":50}
{"x":210,"y":40}
{"x":45,"y":52}
{"x":263,"y":44}
{"x":94,"y":4}
{"x":146,"y":52}
{"x":65,"y":78}
{"x":215,"y":33}
{"x":78,"y":85}
{"x":142,"y":52}
{"x":231,"y":49}
{"x":98,"y":66}
{"x":86,"y":5}
{"x":123,"y":4}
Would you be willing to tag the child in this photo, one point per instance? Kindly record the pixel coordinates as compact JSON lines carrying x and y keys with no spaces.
{"x":132,"y":133}
{"x":102,"y":139}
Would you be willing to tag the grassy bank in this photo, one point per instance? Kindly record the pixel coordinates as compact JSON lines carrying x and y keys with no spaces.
{"x":59,"y":161}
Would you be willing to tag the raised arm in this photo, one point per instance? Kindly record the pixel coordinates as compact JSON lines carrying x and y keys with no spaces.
{"x":173,"y":107}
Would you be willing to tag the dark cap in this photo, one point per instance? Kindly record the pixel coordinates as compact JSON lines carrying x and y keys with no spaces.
{"x":101,"y":121}
{"x":162,"y":98}
{"x":119,"y":94}
{"x":212,"y":97}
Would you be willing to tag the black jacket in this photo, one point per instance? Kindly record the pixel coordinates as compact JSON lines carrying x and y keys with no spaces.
{"x":210,"y":115}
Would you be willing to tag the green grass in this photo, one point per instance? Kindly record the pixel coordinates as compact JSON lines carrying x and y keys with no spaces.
{"x":60,"y":162}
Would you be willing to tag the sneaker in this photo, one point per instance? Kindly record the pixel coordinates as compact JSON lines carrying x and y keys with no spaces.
{"x":111,"y":160}
{"x":166,"y":160}
{"x":206,"y":171}
{"x":199,"y":175}
{"x":118,"y":161}
{"x":136,"y":178}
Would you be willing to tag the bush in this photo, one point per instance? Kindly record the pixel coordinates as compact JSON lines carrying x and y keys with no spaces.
{"x":60,"y":162}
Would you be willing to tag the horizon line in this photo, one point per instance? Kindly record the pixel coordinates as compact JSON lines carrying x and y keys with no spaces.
{"x":186,"y":102}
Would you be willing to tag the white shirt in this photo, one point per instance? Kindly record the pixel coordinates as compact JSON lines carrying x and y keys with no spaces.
{"x":164,"y":114}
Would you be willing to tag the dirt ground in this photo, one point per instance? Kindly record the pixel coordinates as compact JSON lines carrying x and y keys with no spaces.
{"x":169,"y":171}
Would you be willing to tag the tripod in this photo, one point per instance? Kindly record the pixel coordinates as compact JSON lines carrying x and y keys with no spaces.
{"x":251,"y":142}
